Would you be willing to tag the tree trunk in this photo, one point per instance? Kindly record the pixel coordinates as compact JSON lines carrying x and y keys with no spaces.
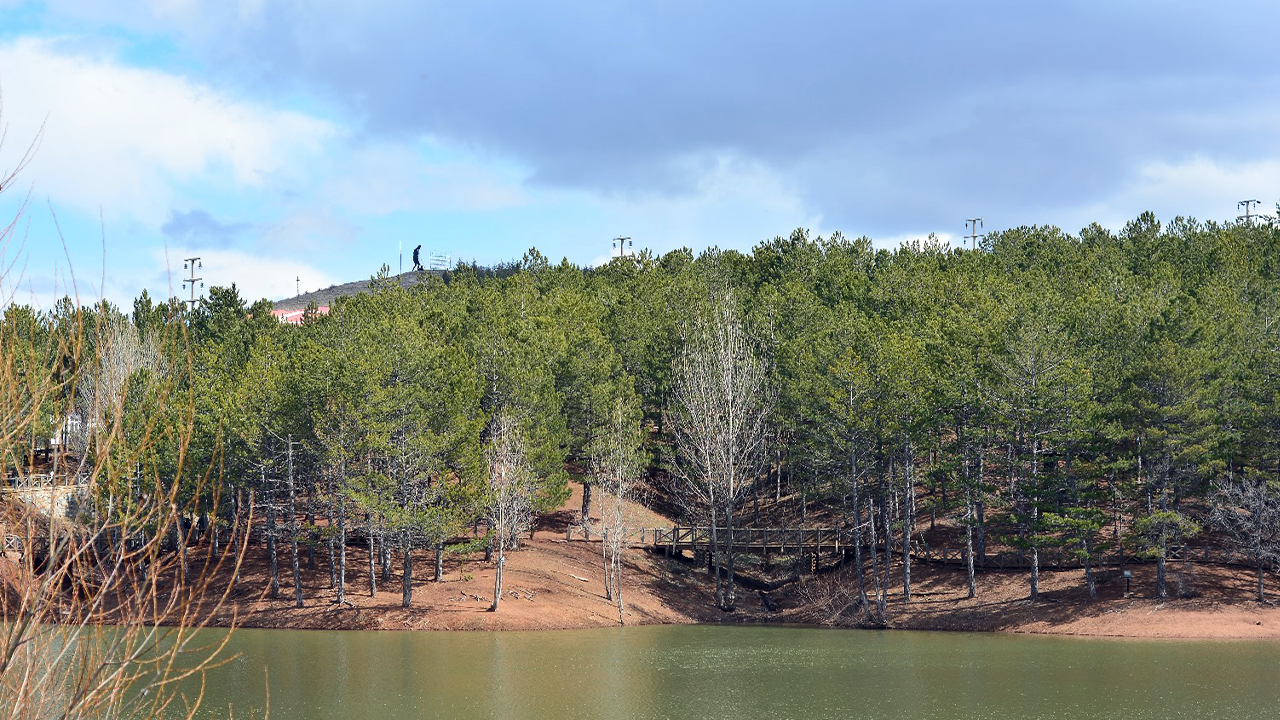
{"x":887,"y":523}
{"x":980,"y":508}
{"x":271,"y":545}
{"x":715,"y":554}
{"x":497,"y":580}
{"x":730,"y":590}
{"x":968,"y":545}
{"x":373,"y":575}
{"x":333,"y":560}
{"x":857,"y":530}
{"x":1035,"y":572}
{"x":181,"y":544}
{"x":875,"y":562}
{"x":586,"y":509}
{"x":608,"y":564}
{"x":440,"y":561}
{"x":342,"y":550}
{"x":908,"y":513}
{"x":1088,"y":569}
{"x":617,"y":586}
{"x":1161,"y":591}
{"x":406,"y":584}
{"x":384,"y":554}
{"x":293,"y":530}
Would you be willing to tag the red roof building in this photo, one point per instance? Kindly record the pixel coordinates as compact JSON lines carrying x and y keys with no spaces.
{"x":294,"y":317}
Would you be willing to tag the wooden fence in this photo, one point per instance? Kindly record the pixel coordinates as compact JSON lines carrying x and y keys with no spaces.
{"x":43,"y":481}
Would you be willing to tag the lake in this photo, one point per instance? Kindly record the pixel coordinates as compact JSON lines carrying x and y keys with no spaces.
{"x":695,"y":672}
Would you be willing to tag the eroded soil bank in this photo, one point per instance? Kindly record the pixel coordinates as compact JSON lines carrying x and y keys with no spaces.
{"x":556,"y":584}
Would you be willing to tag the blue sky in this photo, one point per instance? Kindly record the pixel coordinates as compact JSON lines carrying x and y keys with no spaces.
{"x":293,"y":143}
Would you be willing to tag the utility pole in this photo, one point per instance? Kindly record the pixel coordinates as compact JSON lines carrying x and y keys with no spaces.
{"x":191,"y":264}
{"x":1248,"y":206}
{"x":972,"y":225}
{"x":624,"y":246}
{"x":297,"y":286}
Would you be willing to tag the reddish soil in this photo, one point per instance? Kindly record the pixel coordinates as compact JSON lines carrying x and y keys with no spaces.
{"x":553,"y":583}
{"x":549,"y":583}
{"x":1221,"y":606}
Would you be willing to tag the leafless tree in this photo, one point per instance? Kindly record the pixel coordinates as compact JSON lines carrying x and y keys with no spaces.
{"x":721,"y":403}
{"x":100,"y":393}
{"x":1248,"y":511}
{"x":616,"y":469}
{"x":511,"y":493}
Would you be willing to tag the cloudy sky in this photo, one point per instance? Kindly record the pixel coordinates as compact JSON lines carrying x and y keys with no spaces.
{"x":290,"y":142}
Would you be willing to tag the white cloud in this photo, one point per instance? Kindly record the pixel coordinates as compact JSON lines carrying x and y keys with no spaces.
{"x":738,"y":203}
{"x":256,"y":276}
{"x":124,"y":139}
{"x":1200,"y":187}
{"x":383,"y":178}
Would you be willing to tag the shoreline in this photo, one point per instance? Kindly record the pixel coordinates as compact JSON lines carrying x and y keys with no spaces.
{"x":544,"y":590}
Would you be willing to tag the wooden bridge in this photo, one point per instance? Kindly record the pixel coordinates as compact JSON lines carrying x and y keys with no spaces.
{"x":49,"y":494}
{"x":748,"y":540}
{"x":824,"y":541}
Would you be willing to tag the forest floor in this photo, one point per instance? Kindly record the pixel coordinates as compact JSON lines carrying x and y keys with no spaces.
{"x":551,"y":583}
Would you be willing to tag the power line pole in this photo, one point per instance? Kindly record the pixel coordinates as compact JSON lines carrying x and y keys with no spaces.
{"x":972,"y":225}
{"x":191,"y":264}
{"x":1248,"y":206}
{"x":624,"y":246}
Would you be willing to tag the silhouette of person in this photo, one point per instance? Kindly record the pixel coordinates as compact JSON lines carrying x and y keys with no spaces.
{"x":416,"y":264}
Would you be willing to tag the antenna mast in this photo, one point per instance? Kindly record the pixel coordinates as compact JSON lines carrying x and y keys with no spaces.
{"x":623,"y":246}
{"x":972,"y":225}
{"x":191,"y":264}
{"x":1248,"y":206}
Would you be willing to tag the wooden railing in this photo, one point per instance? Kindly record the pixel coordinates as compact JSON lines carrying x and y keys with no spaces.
{"x":632,"y":537}
{"x":42,"y":481}
{"x":1059,"y":558}
{"x":751,"y":539}
{"x":834,"y":540}
{"x":780,"y":540}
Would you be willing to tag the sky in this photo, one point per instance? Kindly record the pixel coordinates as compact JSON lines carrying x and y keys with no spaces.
{"x":293,"y":145}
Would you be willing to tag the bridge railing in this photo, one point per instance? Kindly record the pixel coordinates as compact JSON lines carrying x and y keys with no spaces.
{"x":42,"y":481}
{"x":779,"y":539}
{"x":1059,"y":558}
{"x":819,"y":540}
{"x":632,"y":536}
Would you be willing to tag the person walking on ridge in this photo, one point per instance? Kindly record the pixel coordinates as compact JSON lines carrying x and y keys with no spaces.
{"x":417,"y":266}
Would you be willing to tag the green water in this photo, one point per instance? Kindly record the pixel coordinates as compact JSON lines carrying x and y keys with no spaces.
{"x":699,"y":672}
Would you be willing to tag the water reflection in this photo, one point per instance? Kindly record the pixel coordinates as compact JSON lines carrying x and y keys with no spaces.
{"x":742,"y":673}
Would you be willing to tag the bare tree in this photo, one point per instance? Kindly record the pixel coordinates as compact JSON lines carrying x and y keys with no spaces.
{"x":721,"y":403}
{"x":100,"y":392}
{"x":1249,"y":512}
{"x":617,"y":468}
{"x":511,"y":493}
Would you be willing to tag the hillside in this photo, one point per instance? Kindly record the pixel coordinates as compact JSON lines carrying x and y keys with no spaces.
{"x":552,"y":583}
{"x":327,"y":295}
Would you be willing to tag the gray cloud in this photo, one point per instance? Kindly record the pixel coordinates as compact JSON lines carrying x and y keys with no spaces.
{"x":198,"y":229}
{"x":914,"y":109}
